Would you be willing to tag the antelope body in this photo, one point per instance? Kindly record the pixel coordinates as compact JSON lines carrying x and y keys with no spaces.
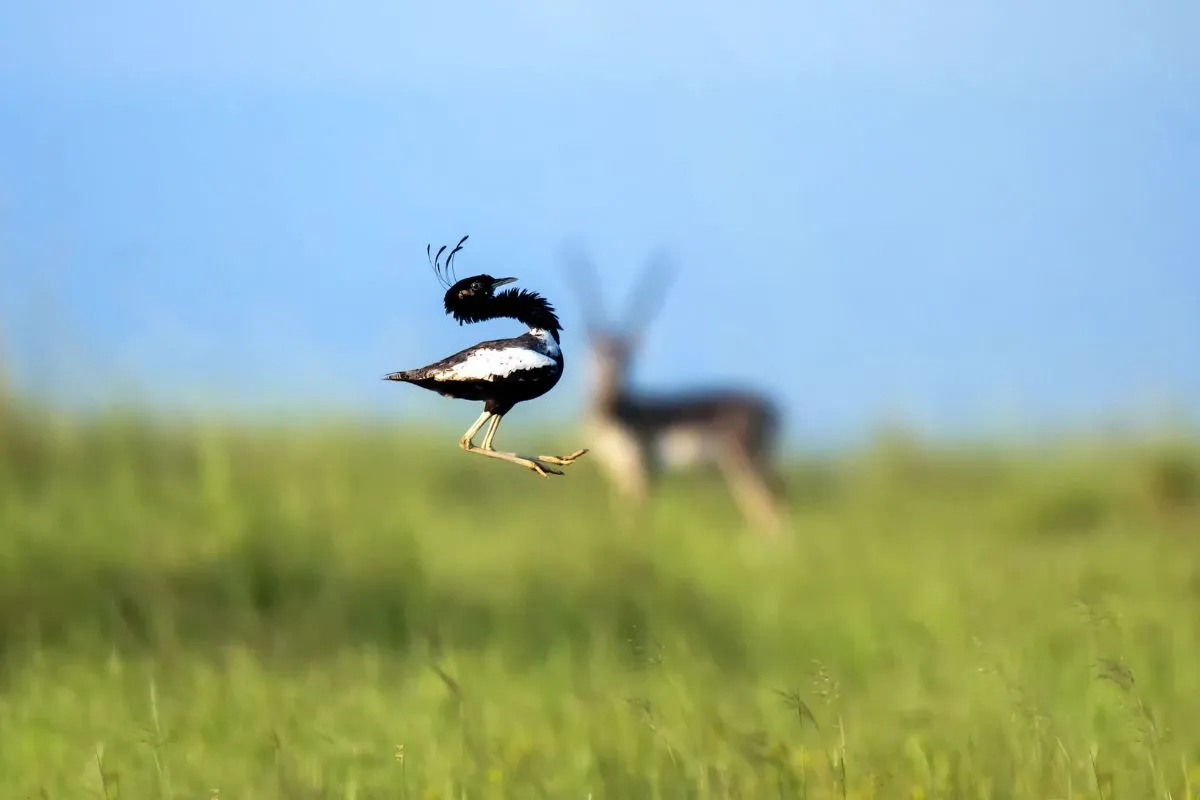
{"x":637,"y":437}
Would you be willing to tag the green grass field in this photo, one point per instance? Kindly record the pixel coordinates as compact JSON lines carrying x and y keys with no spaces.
{"x":345,"y":613}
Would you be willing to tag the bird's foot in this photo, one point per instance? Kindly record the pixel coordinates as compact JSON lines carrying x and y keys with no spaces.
{"x":562,"y":460}
{"x":539,"y":465}
{"x":528,"y":462}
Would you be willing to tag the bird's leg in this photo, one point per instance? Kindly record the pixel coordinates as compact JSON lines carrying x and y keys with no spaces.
{"x":560,"y":460}
{"x":465,"y":441}
{"x":491,"y":452}
{"x":466,"y":444}
{"x":532,"y":464}
{"x":491,"y":433}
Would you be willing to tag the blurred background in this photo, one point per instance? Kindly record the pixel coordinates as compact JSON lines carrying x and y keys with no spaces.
{"x":972,"y":225}
{"x":971,"y":217}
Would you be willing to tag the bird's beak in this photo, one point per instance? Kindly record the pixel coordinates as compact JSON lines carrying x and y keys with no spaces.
{"x":503,"y":282}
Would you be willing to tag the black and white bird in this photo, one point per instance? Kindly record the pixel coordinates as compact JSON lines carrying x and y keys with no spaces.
{"x":499,"y":373}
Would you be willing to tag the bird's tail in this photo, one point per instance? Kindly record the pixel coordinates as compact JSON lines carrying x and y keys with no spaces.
{"x":403,"y":376}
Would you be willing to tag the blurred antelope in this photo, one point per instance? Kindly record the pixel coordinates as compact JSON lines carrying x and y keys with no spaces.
{"x":636,"y":437}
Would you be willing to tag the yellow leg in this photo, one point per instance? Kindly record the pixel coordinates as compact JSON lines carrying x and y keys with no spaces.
{"x":465,"y":441}
{"x":560,"y":460}
{"x":491,"y":433}
{"x":540,"y":465}
{"x":528,"y":463}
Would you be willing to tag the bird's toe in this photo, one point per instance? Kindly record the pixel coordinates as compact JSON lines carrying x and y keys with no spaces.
{"x":563,"y":460}
{"x":536,"y":465}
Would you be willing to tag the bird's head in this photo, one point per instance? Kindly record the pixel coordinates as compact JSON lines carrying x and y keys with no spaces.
{"x":466,"y":300}
{"x":472,"y":294}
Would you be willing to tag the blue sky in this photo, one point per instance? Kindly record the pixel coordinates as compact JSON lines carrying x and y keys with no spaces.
{"x":962,"y":214}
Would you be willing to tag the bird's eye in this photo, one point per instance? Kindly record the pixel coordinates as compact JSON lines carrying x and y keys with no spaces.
{"x":476,"y":287}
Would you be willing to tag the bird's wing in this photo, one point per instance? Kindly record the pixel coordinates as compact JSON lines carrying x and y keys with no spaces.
{"x":491,"y":363}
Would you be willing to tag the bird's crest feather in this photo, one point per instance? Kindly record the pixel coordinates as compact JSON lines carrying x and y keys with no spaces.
{"x":444,"y":270}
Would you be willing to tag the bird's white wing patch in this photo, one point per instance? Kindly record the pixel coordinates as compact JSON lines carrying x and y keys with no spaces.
{"x":485,"y":365}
